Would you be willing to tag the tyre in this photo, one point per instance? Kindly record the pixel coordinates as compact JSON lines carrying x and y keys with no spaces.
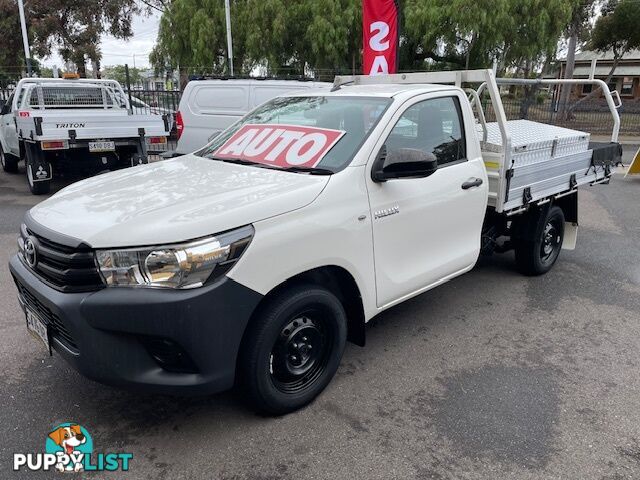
{"x":9,"y":162}
{"x":538,"y":253}
{"x":292,"y":349}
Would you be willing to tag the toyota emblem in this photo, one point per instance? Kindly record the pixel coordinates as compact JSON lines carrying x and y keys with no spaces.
{"x":30,"y":252}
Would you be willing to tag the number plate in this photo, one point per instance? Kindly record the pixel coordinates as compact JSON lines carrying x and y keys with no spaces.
{"x":37,"y":328}
{"x":102,"y":146}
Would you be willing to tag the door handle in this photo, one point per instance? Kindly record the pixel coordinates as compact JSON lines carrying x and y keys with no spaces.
{"x":475,"y":182}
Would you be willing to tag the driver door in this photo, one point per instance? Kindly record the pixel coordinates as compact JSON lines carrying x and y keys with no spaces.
{"x":9,"y":132}
{"x":426,"y":230}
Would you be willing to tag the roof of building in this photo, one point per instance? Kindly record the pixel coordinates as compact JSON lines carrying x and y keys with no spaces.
{"x":603,"y":71}
{"x":588,"y":55}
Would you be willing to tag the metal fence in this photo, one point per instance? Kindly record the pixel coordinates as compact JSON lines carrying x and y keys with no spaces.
{"x":591,"y":116}
{"x":158,"y":101}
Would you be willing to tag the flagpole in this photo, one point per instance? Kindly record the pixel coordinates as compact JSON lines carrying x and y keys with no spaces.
{"x":25,"y":39}
{"x":227,"y":12}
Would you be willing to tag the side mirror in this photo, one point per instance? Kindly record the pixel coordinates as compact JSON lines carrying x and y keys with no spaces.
{"x":403,"y":163}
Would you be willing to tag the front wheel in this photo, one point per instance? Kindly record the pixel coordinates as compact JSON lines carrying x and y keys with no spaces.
{"x":292,"y":349}
{"x":536,"y":255}
{"x":9,"y":162}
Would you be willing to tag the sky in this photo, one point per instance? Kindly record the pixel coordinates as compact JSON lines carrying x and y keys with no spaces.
{"x":132,"y":51}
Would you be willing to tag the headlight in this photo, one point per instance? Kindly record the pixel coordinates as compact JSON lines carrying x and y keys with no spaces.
{"x":187,"y":265}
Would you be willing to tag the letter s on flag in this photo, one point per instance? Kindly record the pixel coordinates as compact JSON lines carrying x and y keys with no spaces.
{"x":380,"y":36}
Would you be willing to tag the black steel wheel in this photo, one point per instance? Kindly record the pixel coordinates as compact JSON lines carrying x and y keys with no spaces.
{"x":551,"y":241}
{"x":292,"y":349}
{"x":537,"y":253}
{"x":301,"y":352}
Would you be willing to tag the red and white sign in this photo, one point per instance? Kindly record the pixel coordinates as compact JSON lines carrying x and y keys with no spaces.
{"x":380,"y":36}
{"x":280,"y":145}
{"x":23,"y":114}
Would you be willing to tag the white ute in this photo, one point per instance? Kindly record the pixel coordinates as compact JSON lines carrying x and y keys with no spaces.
{"x":73,"y":124}
{"x":255,"y":259}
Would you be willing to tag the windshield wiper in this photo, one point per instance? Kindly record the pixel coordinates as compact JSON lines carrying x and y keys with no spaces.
{"x":309,"y":170}
{"x":295,"y":169}
{"x":239,"y":161}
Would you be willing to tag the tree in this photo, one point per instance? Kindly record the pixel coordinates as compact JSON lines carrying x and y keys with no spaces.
{"x":11,"y":53}
{"x":617,"y":30}
{"x":577,"y":30}
{"x":296,"y":36}
{"x":472,"y":33}
{"x":192,"y":36}
{"x":325,"y":36}
{"x":118,"y":73}
{"x":74,"y":27}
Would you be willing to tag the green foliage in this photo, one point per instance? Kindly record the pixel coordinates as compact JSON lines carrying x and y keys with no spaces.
{"x":282,"y":36}
{"x":471,"y":33}
{"x":118,"y":73}
{"x":74,"y":27}
{"x":618,"y":28}
{"x":70,"y":27}
{"x":324,"y":37}
{"x":11,"y":52}
{"x":192,"y":34}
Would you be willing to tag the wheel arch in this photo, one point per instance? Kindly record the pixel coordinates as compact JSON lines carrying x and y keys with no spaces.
{"x":338,"y":281}
{"x":569,"y":206}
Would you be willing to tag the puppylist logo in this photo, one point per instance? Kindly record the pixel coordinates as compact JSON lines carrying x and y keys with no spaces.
{"x":69,"y":448}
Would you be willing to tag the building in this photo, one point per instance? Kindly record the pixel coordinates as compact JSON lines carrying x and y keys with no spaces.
{"x":150,"y":81}
{"x":626,"y":78}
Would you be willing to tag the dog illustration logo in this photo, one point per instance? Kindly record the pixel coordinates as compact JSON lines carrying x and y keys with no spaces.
{"x":71,"y":443}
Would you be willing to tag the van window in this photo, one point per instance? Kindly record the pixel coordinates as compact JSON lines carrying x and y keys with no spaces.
{"x":212,"y":99}
{"x":355,"y":115}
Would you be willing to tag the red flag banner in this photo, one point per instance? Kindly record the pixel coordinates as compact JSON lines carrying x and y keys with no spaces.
{"x":380,"y":36}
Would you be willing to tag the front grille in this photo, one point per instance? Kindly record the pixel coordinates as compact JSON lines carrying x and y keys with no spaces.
{"x":57,"y":328}
{"x":64,"y":268}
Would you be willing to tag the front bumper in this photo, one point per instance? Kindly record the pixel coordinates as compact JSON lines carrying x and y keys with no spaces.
{"x":106,"y":335}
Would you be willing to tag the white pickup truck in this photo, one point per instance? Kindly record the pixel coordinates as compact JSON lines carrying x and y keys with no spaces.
{"x":73,"y":124}
{"x":255,"y":259}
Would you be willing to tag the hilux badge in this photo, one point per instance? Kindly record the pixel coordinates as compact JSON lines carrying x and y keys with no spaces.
{"x":386,"y":212}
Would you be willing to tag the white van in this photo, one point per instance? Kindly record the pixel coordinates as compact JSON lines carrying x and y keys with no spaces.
{"x":208,"y":107}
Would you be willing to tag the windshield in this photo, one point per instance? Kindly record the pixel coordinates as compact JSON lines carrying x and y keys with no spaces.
{"x":320,"y":132}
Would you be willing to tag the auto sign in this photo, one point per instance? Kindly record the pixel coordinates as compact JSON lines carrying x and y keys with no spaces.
{"x":280,"y":145}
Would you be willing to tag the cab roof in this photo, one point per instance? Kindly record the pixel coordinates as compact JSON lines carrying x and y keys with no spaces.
{"x":387,"y":90}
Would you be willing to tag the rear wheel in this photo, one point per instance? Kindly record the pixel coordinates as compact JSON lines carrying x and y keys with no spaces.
{"x":537,"y":254}
{"x":9,"y":162}
{"x":292,"y":349}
